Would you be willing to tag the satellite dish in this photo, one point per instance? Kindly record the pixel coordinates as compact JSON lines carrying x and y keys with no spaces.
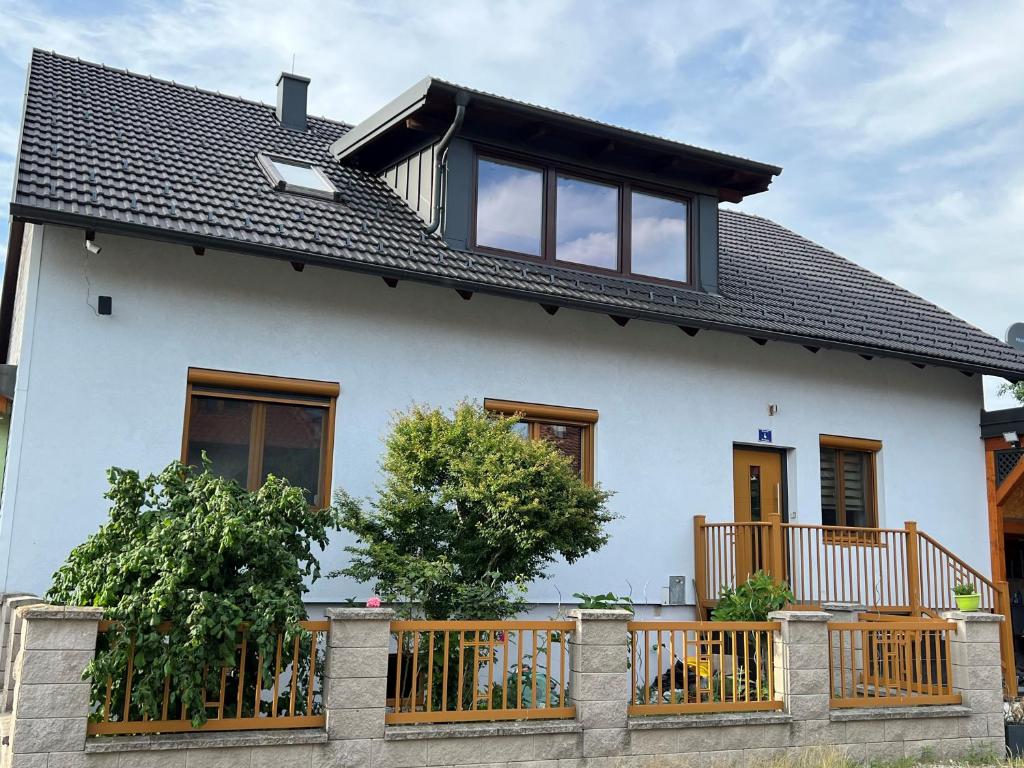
{"x":1015,"y":336}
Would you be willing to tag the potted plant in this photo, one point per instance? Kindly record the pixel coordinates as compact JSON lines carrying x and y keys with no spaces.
{"x":967,"y":597}
{"x":1013,"y":715}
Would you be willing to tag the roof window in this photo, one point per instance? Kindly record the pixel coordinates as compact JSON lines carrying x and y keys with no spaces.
{"x":302,"y":178}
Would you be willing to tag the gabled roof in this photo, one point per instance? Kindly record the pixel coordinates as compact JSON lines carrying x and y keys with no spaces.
{"x":109,"y":150}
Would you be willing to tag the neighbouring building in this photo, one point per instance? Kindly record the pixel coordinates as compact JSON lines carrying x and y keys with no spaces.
{"x":191,"y":271}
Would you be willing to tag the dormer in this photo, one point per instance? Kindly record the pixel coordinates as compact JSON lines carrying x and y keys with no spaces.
{"x":501,"y":177}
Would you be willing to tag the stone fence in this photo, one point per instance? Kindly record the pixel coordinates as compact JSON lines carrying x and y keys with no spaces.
{"x":47,"y":725}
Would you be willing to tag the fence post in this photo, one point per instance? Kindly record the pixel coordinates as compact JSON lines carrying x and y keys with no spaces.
{"x":51,"y":700}
{"x":776,"y":559}
{"x":977,"y":676}
{"x":700,"y":563}
{"x":356,"y":678}
{"x":802,"y":674}
{"x":913,"y":568}
{"x":599,"y":687}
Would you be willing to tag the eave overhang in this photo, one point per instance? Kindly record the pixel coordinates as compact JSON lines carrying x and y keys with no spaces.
{"x":359,"y":262}
{"x":423,"y":112}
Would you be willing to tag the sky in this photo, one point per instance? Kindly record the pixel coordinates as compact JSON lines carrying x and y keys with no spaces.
{"x":898,"y":125}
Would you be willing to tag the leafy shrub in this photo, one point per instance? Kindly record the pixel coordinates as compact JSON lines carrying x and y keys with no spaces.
{"x":204,"y":555}
{"x":606,"y":601}
{"x":469,"y":514}
{"x":753,"y":600}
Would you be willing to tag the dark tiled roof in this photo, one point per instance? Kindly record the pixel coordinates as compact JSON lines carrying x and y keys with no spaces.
{"x":124,"y":152}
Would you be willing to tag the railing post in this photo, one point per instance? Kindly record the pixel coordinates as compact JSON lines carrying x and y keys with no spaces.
{"x":700,"y":564}
{"x":776,"y":561}
{"x":600,"y":682}
{"x":51,"y":700}
{"x":1009,"y":663}
{"x":801,"y":651}
{"x":913,"y":569}
{"x":356,"y":674}
{"x":976,"y":675}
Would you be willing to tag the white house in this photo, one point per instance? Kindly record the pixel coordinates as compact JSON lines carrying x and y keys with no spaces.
{"x":190,"y":271}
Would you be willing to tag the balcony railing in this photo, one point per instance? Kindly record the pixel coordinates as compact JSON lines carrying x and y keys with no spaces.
{"x":891,"y":663}
{"x":457,"y":671}
{"x":899,"y":571}
{"x":681,"y":667}
{"x":238,"y":697}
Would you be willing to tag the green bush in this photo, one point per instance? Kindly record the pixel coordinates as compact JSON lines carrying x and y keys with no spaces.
{"x":203,"y":554}
{"x":469,"y":514}
{"x":752,"y":600}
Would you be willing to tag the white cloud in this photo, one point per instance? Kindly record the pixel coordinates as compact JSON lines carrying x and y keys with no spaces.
{"x":898,"y":124}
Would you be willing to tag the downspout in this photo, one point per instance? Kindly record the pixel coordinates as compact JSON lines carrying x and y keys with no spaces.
{"x":461,"y":100}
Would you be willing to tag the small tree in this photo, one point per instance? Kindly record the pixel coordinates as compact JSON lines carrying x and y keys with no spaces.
{"x":469,"y":514}
{"x":1016,"y":389}
{"x":200,"y":555}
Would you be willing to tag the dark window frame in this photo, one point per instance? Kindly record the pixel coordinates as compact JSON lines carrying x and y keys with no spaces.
{"x":535,"y":414}
{"x":625,"y":186}
{"x":842,"y":446}
{"x":262,"y":391}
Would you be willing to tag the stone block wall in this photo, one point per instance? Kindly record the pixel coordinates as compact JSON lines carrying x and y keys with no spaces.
{"x":51,"y":708}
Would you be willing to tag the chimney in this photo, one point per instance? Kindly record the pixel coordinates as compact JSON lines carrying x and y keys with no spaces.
{"x":291,"y":101}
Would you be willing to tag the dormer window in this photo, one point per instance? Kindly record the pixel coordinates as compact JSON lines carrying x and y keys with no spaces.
{"x":555,"y":215}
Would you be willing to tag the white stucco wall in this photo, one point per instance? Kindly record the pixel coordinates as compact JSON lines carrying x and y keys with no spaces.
{"x":111,"y":391}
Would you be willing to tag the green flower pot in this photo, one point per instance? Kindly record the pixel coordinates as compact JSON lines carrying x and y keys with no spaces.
{"x":967,"y":603}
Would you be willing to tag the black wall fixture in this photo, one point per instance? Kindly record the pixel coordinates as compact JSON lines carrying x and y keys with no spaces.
{"x":104,"y":305}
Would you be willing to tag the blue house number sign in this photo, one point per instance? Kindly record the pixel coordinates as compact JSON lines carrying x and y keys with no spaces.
{"x":764,"y":435}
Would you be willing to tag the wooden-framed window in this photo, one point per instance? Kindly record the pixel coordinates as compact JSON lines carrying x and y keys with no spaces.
{"x":555,"y":214}
{"x":251,"y":426}
{"x":849,"y":490}
{"x":570,"y":429}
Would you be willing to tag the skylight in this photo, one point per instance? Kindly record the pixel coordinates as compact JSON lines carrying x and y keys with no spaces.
{"x":297,"y":176}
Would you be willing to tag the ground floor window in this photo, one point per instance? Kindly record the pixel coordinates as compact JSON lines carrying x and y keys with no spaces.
{"x":570,"y":429}
{"x":849,"y":492}
{"x":252,"y":426}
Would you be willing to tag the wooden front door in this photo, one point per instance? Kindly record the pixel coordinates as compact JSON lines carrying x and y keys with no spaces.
{"x":757,"y":493}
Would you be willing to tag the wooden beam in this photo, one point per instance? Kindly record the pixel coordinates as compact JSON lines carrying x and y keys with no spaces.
{"x":549,"y":308}
{"x":812,"y":350}
{"x":298,"y":266}
{"x":619,"y":320}
{"x":759,"y":342}
{"x":392,"y":282}
{"x":198,"y":250}
{"x":1009,"y":483}
{"x":689,"y":331}
{"x":466,"y":295}
{"x":868,"y":357}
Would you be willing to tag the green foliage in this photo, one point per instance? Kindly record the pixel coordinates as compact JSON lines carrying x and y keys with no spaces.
{"x":964,"y":588}
{"x":469,"y":513}
{"x":203,"y":554}
{"x":753,"y":600}
{"x":607,"y":601}
{"x":1016,"y":389}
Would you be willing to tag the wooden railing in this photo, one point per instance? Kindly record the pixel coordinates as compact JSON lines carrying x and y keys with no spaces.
{"x":900,"y":571}
{"x":891,"y":663}
{"x":453,"y":671}
{"x":693,"y":667}
{"x":242,"y":697}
